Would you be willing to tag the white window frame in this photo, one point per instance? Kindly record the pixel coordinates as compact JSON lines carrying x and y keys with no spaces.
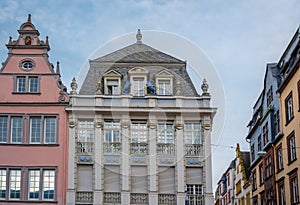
{"x":3,"y":182}
{"x":139,"y":137}
{"x":44,"y":133}
{"x":14,"y":130}
{"x":164,"y":76}
{"x":17,"y":183}
{"x":34,"y":183}
{"x":165,"y":130}
{"x":112,"y":76}
{"x":138,"y":74}
{"x":194,"y":130}
{"x":27,"y":84}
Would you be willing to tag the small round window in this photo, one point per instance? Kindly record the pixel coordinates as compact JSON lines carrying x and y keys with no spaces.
{"x":27,"y":65}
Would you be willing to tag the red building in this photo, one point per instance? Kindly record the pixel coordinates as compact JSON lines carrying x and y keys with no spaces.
{"x":33,"y":122}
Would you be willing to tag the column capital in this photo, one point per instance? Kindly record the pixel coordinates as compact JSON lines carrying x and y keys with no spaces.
{"x":72,"y":123}
{"x":152,"y":125}
{"x":99,"y":124}
{"x":179,"y":126}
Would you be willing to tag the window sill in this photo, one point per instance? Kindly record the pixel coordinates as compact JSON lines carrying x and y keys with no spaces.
{"x":279,"y":170}
{"x":28,"y":201}
{"x":288,"y":121}
{"x":26,"y":93}
{"x":291,"y":162}
{"x":27,"y":144}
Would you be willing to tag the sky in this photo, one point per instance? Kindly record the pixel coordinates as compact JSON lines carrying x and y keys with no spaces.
{"x":239,"y":37}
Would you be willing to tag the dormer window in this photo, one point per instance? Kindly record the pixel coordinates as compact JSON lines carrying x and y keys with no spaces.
{"x":138,"y":79}
{"x":112,"y":83}
{"x":164,"y":82}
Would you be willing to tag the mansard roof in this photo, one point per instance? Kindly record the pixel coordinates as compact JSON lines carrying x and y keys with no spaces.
{"x":142,"y":56}
{"x":138,"y":52}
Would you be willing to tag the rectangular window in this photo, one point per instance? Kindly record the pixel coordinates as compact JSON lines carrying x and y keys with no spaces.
{"x":33,"y":84}
{"x":27,"y":84}
{"x":266,"y":133}
{"x":43,"y":129}
{"x":2,"y":184}
{"x":259,"y":143}
{"x":49,"y":184}
{"x":281,"y":193}
{"x":33,"y":184}
{"x":289,"y":113}
{"x":112,"y":87}
{"x":269,"y":170}
{"x":277,"y":122}
{"x":15,"y":184}
{"x":164,"y":87}
{"x":138,"y":87}
{"x":16,"y":129}
{"x":192,"y":133}
{"x":279,"y":158}
{"x":261,"y":174}
{"x":112,"y":135}
{"x":291,"y":147}
{"x":165,"y":133}
{"x":86,"y":134}
{"x":3,"y":129}
{"x":252,"y":152}
{"x":294,"y":192}
{"x":194,"y":194}
{"x":269,"y":96}
{"x":139,"y":133}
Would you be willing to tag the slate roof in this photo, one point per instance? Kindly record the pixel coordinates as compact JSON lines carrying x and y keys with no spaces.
{"x":137,"y":55}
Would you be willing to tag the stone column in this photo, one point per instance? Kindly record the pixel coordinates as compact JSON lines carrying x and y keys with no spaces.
{"x":180,"y":163}
{"x":125,"y":165}
{"x":98,"y":164}
{"x":153,"y":195}
{"x":207,"y":174}
{"x":71,"y":193}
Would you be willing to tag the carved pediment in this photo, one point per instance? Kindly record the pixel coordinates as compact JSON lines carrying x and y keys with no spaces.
{"x":112,"y":73}
{"x":137,"y":70}
{"x":165,"y":74}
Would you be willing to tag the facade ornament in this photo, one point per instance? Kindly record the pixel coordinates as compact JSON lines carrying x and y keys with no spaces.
{"x":179,"y":126}
{"x":204,"y":87}
{"x":178,"y":87}
{"x":29,"y":18}
{"x":47,"y":40}
{"x":152,"y":125}
{"x":72,"y":124}
{"x":57,"y":68}
{"x":151,"y":88}
{"x":139,"y":36}
{"x":73,"y":86}
{"x":99,"y":124}
{"x":99,"y":87}
{"x":126,"y":87}
{"x":63,"y":94}
{"x":10,"y":40}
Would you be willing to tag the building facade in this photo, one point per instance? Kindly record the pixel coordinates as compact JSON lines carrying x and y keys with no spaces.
{"x":264,"y":131}
{"x":234,"y":187}
{"x":139,"y":132}
{"x":286,"y":149}
{"x":33,"y":123}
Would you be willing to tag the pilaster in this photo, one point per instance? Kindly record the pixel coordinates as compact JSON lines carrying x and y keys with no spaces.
{"x":98,"y":164}
{"x":125,"y":165}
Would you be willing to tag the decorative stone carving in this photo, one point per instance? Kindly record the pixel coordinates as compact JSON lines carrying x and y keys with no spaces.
{"x":73,"y":86}
{"x":178,"y":87}
{"x":126,"y":87}
{"x":112,"y":159}
{"x":179,"y":126}
{"x":138,"y":160}
{"x":150,"y":88}
{"x":72,"y":124}
{"x":63,"y":95}
{"x":99,"y":124}
{"x":152,"y":125}
{"x":204,"y":87}
{"x":99,"y":87}
{"x":192,"y":161}
{"x":139,"y":36}
{"x":166,"y":161}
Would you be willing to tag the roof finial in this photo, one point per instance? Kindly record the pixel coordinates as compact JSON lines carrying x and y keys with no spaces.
{"x":57,"y":67}
{"x":29,"y":18}
{"x":139,"y":36}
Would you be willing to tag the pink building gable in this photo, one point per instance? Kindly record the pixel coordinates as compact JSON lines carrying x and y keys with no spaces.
{"x":33,"y":123}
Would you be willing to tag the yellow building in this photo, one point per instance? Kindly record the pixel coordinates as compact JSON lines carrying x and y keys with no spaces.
{"x":287,"y":154}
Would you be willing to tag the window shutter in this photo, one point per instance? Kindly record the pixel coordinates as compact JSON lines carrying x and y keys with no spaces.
{"x":85,"y":178}
{"x":194,"y":175}
{"x":166,"y":180}
{"x":139,"y":179}
{"x":112,"y":179}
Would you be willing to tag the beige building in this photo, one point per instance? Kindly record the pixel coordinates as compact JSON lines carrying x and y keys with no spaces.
{"x":139,"y":132}
{"x":286,"y":149}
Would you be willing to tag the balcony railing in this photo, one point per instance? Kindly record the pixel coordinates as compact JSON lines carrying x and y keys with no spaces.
{"x":193,"y":149}
{"x":138,"y":198}
{"x":112,"y":147}
{"x":84,"y":197}
{"x":195,"y":199}
{"x":85,"y":147}
{"x":139,"y":148}
{"x":112,"y":197}
{"x":166,"y":149}
{"x":166,"y":199}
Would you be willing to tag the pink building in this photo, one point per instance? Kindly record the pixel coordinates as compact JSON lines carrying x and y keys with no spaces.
{"x":33,"y":123}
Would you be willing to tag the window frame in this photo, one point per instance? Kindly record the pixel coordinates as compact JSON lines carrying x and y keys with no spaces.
{"x":279,"y":158}
{"x":289,"y":109}
{"x":281,"y":193}
{"x":292,"y":155}
{"x":277,"y":122}
{"x":163,"y":127}
{"x":134,"y":74}
{"x":294,"y":178}
{"x":43,"y":129}
{"x":139,"y":143}
{"x":27,"y":84}
{"x":113,"y":144}
{"x":261,"y":174}
{"x":265,"y":133}
{"x":165,"y":76}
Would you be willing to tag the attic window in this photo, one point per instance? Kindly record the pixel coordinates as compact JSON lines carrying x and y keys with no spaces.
{"x":27,"y":64}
